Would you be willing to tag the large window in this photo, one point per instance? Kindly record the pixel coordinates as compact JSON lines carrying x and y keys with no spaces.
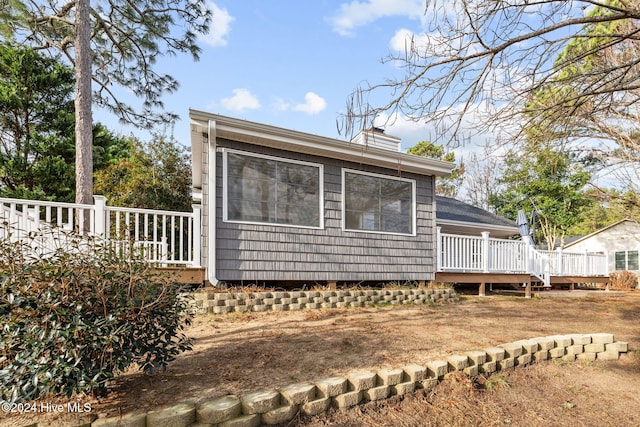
{"x":378,"y":203}
{"x":267,"y":189}
{"x":627,"y":260}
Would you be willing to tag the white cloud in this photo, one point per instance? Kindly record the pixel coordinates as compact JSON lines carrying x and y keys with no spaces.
{"x":220,"y":26}
{"x":281,"y":105}
{"x":469,"y":138}
{"x":431,"y":45}
{"x":313,"y":104}
{"x":241,"y":100}
{"x":358,"y":13}
{"x":404,"y":39}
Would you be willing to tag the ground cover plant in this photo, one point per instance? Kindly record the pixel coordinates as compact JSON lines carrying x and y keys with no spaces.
{"x":76,"y":313}
{"x":243,"y":352}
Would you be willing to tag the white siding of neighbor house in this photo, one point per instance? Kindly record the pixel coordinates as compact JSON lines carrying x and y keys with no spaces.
{"x":263,"y":252}
{"x":624,"y":236}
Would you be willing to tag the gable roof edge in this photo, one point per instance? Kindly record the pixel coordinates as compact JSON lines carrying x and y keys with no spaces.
{"x":575,"y":242}
{"x":291,"y":140}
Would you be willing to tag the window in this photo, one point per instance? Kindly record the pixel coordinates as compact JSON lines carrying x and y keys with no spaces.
{"x":378,"y":203}
{"x":632,"y":260}
{"x":271,"y":190}
{"x":627,"y":260}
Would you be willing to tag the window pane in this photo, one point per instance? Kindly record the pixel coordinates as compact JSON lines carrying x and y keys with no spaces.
{"x":621,"y":261}
{"x":378,"y":204}
{"x":632,"y":260}
{"x":272,"y":191}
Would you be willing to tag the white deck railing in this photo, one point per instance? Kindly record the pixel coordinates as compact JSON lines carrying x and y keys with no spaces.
{"x":174,"y":238}
{"x":576,"y":264}
{"x":165,"y":238}
{"x":488,"y":255}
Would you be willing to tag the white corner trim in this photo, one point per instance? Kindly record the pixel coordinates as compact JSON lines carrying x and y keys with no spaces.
{"x":211,"y":164}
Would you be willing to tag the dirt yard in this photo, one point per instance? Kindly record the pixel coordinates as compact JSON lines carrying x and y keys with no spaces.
{"x":250,"y":351}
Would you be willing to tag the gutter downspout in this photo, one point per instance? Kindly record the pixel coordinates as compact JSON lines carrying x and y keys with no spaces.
{"x":213,"y":220}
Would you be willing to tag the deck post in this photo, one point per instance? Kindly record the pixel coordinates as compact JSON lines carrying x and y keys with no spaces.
{"x":438,"y":248}
{"x":197,"y":234}
{"x":481,"y":290}
{"x":485,"y":251}
{"x":527,"y":289}
{"x":99,"y":212}
{"x":560,"y":263}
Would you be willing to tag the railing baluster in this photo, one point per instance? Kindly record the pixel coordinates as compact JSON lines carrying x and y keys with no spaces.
{"x":164,"y":237}
{"x":190,"y":239}
{"x":118,"y":230}
{"x":173,"y":238}
{"x":136,"y":226}
{"x":181,"y":239}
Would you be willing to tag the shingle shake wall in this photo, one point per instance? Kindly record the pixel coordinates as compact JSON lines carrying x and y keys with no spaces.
{"x":265,"y":252}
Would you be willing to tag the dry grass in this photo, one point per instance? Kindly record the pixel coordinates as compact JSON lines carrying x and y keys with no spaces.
{"x":247,"y":352}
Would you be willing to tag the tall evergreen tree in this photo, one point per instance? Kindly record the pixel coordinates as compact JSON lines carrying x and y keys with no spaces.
{"x":449,"y":185}
{"x":547,"y":183}
{"x":110,"y":43}
{"x":37,"y":151}
{"x":36,"y":125}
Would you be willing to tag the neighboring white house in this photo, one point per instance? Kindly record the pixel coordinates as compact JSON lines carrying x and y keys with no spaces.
{"x":621,"y":241}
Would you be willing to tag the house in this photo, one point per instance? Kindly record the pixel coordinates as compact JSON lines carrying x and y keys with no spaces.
{"x":277,"y":205}
{"x":620,"y":241}
{"x":282,"y":205}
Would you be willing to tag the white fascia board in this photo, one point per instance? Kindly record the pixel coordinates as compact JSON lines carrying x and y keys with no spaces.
{"x":590,"y":235}
{"x":290,"y":140}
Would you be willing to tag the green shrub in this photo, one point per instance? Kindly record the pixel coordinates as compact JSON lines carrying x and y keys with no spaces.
{"x":75,"y":316}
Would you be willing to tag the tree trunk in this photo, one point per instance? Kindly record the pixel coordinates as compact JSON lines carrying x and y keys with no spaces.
{"x":84,"y":122}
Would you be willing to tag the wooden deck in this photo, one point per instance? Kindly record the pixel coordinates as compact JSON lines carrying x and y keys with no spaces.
{"x":484,"y":260}
{"x":172,"y":242}
{"x":516,"y":279}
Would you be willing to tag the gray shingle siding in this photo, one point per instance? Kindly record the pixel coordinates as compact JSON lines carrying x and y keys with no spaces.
{"x":251,"y":252}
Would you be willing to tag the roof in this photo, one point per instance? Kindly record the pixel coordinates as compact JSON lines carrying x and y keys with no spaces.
{"x":218,"y":126}
{"x":462,"y":218}
{"x":588,"y":236}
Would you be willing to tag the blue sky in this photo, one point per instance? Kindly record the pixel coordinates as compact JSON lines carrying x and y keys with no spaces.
{"x":291,"y":64}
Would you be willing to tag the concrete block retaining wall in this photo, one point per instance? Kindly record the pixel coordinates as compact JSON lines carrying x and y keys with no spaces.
{"x":315,"y":397}
{"x":230,"y":302}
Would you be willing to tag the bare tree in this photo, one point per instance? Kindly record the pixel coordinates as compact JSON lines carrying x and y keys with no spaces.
{"x":112,"y":43}
{"x":481,"y":178}
{"x":496,"y":55}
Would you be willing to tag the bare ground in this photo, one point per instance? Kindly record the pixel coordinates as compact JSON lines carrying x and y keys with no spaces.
{"x":251,"y":351}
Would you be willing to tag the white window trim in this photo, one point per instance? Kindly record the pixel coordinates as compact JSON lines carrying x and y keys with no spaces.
{"x":378,"y":175}
{"x":225,"y":212}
